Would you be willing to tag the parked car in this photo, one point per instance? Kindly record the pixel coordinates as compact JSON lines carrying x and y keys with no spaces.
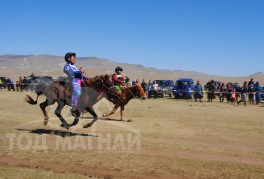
{"x":4,"y":81}
{"x":164,"y":89}
{"x":167,"y":89}
{"x":183,"y":89}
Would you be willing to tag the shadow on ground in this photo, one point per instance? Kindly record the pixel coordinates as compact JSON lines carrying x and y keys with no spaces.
{"x":55,"y":132}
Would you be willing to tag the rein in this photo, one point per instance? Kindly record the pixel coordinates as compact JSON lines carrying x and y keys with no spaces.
{"x":107,"y":92}
{"x":134,"y":97}
{"x":131,"y":92}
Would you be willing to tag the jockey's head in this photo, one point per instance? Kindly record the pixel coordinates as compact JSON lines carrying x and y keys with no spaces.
{"x":119,"y":70}
{"x":70,"y":57}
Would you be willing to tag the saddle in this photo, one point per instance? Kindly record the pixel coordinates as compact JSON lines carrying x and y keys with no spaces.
{"x":63,"y":89}
{"x":66,"y":84}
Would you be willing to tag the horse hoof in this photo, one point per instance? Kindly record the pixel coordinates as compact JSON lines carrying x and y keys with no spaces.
{"x":65,"y":126}
{"x":87,"y":125}
{"x":129,"y":120}
{"x":71,"y":125}
{"x":45,"y":122}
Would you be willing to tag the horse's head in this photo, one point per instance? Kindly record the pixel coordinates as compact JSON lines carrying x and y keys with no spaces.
{"x":107,"y":80}
{"x":102,"y":82}
{"x":140,"y":92}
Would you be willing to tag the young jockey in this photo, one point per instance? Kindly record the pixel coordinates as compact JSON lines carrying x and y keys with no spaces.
{"x":118,"y":79}
{"x":75,"y":76}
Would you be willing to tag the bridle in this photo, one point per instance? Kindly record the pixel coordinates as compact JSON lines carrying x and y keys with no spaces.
{"x":103,"y":85}
{"x":137,"y":93}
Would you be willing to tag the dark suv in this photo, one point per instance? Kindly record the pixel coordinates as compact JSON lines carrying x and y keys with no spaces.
{"x":183,"y":89}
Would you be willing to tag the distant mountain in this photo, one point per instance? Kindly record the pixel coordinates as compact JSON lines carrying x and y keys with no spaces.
{"x":258,"y":74}
{"x":23,"y":65}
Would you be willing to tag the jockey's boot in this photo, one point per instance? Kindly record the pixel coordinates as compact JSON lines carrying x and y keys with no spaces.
{"x":75,"y":112}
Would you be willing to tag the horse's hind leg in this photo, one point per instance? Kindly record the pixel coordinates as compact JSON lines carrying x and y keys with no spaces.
{"x":43,"y":108}
{"x":92,"y":112}
{"x":122,"y":112}
{"x":58,"y":114}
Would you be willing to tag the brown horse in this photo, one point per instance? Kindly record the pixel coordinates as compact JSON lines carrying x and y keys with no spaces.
{"x":92,"y":92}
{"x":127,"y":94}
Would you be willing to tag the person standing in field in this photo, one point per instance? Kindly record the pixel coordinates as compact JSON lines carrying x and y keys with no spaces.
{"x":127,"y":81}
{"x":257,"y":88}
{"x":149,"y":83}
{"x":251,"y":93}
{"x":198,"y":91}
{"x":153,"y":90}
{"x":1,"y":84}
{"x":251,"y":82}
{"x":211,"y":91}
{"x":144,"y":85}
{"x":25,"y":83}
{"x":244,"y":91}
{"x":222,"y":91}
{"x":19,"y":84}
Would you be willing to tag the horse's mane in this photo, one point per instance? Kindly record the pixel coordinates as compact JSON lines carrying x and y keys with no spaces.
{"x":98,"y":80}
{"x":98,"y":77}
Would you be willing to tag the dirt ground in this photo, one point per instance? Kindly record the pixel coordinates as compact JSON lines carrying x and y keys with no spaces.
{"x":166,"y":138}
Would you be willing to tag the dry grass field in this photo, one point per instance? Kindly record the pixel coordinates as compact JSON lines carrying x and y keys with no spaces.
{"x":167,"y":138}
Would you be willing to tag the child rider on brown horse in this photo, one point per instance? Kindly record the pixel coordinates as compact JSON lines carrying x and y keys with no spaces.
{"x":118,"y":79}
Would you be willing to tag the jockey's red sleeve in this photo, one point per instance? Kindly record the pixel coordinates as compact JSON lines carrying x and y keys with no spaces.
{"x":116,"y":79}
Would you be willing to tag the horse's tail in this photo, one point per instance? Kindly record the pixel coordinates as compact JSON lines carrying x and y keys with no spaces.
{"x":30,"y":100}
{"x":39,"y":89}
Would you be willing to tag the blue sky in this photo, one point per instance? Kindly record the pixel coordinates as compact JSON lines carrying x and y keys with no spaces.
{"x":222,"y":37}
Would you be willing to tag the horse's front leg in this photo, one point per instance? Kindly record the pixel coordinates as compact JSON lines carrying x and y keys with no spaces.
{"x":112,"y":112}
{"x":76,"y":120}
